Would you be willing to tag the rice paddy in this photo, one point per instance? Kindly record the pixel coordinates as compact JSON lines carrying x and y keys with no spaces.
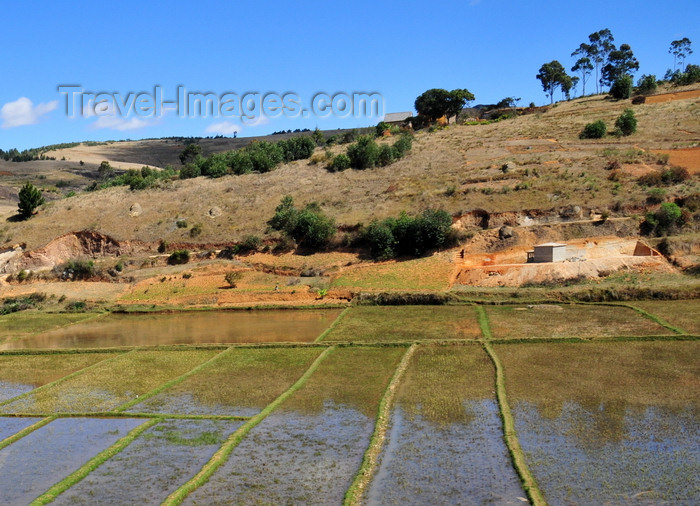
{"x":608,"y":421}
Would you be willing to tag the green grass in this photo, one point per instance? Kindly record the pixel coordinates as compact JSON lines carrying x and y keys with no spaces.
{"x":683,"y":314}
{"x":406,"y":323}
{"x":552,"y":321}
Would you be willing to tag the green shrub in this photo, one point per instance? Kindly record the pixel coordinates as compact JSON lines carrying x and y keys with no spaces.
{"x":381,"y":128}
{"x":663,"y":219}
{"x":178,"y":257}
{"x":595,"y":130}
{"x":309,"y":227}
{"x":622,"y":87}
{"x":647,"y":85}
{"x":297,"y":148}
{"x":249,"y":243}
{"x":264,"y":156}
{"x":196,"y":230}
{"x":364,"y":153}
{"x":387,"y":154}
{"x":76,"y":269}
{"x":340,"y":162}
{"x":403,"y":145}
{"x":181,"y":223}
{"x":408,"y":236}
{"x":29,"y":199}
{"x":190,"y":171}
{"x":626,"y":123}
{"x":239,"y":161}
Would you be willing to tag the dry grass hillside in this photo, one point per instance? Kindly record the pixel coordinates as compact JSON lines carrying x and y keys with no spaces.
{"x":533,"y":162}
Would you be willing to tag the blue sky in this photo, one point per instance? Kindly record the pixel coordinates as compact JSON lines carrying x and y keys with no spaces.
{"x":494,"y":48}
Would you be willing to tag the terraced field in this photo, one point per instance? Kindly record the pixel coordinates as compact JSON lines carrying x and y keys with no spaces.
{"x":425,"y":404}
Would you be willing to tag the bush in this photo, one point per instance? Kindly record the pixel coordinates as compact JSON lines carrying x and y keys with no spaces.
{"x":340,"y":162}
{"x":408,"y":236}
{"x":249,"y":243}
{"x":309,"y":227}
{"x":621,"y":88}
{"x":196,"y":230}
{"x":297,"y":148}
{"x":264,"y":156}
{"x":381,"y":128}
{"x":647,"y":85}
{"x":179,"y":257}
{"x":190,"y":171}
{"x":364,"y":153}
{"x":77,"y":269}
{"x":663,"y":219}
{"x":387,"y":155}
{"x":403,"y":145}
{"x":595,"y":130}
{"x":665,"y":176}
{"x":626,"y":123}
{"x":233,"y":277}
{"x":29,"y":199}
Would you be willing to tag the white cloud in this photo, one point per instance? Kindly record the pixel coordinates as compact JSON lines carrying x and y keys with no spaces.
{"x":255,"y":121}
{"x":223,"y":128}
{"x":23,"y":112}
{"x":119,"y":123}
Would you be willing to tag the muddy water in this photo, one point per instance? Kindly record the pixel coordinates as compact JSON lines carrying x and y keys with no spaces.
{"x":214,"y":327}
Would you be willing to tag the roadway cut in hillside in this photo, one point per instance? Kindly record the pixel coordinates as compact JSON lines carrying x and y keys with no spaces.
{"x":590,"y":258}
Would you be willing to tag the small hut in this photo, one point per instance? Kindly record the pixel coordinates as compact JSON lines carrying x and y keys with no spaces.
{"x":547,"y":252}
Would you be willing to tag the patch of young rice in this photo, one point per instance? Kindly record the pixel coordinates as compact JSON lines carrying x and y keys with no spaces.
{"x":445,"y":442}
{"x":308,"y":451}
{"x":613,"y":422}
{"x":108,"y":385}
{"x":241,"y":382}
{"x":31,"y":465}
{"x":552,"y":321}
{"x":406,"y":323}
{"x":683,"y":314}
{"x":21,"y":373}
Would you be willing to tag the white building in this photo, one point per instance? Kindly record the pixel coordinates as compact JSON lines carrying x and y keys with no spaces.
{"x":547,"y":252}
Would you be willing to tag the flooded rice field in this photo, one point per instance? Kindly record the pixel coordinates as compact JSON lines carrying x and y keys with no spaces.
{"x":154,"y":465}
{"x":598,"y":422}
{"x":204,"y":327}
{"x":31,"y":465}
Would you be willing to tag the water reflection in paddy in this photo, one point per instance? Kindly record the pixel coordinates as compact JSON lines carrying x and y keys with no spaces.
{"x":209,"y":327}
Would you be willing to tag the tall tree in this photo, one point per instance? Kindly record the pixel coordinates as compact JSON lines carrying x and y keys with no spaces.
{"x":680,"y":49}
{"x":552,"y":75}
{"x":436,"y":103}
{"x":621,"y":62}
{"x":601,"y":45}
{"x":583,"y":66}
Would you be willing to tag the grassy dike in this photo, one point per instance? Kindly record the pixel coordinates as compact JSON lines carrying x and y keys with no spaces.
{"x":532,"y":490}
{"x":330,"y":328}
{"x":223,"y":453}
{"x":92,"y":464}
{"x":369,"y":461}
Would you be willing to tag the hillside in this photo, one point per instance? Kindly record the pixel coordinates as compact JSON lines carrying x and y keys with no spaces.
{"x":532,"y":170}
